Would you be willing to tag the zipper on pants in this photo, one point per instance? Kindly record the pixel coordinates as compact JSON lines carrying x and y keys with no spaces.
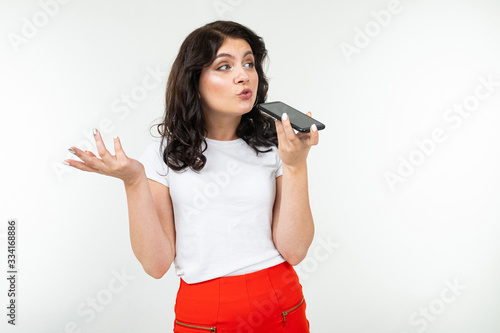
{"x":211,"y":329}
{"x":284,"y":313}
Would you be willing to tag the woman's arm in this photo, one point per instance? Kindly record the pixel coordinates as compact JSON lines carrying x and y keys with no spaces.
{"x":293,"y":225}
{"x":152,"y":231}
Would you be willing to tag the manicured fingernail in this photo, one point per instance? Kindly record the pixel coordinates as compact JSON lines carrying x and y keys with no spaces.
{"x":94,"y":131}
{"x":314,"y":128}
{"x":284,"y":116}
{"x":72,"y":151}
{"x":116,"y":137}
{"x":65,"y":163}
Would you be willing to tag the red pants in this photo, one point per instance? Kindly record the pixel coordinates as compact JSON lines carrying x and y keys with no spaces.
{"x":269,"y":300}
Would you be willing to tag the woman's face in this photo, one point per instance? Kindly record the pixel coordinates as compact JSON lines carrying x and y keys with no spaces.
{"x":229,"y":85}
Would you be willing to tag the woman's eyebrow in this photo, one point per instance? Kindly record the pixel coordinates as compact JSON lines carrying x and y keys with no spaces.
{"x":231,"y":56}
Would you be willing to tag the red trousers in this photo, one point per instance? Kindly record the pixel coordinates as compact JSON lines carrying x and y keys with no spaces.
{"x":269,"y":300}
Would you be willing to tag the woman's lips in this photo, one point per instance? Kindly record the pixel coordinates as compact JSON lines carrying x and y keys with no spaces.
{"x":245,"y":94}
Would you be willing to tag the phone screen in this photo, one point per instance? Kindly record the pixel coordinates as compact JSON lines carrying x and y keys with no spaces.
{"x":299,"y":120}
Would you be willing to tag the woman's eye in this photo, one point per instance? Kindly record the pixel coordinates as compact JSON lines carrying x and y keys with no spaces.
{"x":224,"y":67}
{"x":250,"y":65}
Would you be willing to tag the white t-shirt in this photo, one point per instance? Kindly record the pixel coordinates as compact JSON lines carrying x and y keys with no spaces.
{"x":223,"y":214}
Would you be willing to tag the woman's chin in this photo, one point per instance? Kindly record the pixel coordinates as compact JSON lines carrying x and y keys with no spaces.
{"x":246,"y":107}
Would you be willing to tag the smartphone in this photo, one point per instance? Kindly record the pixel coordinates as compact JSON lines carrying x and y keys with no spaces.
{"x":299,"y":120}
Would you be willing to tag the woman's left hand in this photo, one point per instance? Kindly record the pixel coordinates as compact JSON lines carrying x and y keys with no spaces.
{"x":294,"y":147}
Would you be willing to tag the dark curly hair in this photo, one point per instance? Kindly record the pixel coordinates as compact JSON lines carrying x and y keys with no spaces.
{"x":183,"y":125}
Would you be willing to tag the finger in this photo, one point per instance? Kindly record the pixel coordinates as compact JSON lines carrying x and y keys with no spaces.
{"x":101,"y":148}
{"x":89,"y":160}
{"x":120,"y":154}
{"x":287,"y":128}
{"x":80,"y":166}
{"x":88,"y":152}
{"x":309,"y":114}
{"x":314,"y":135}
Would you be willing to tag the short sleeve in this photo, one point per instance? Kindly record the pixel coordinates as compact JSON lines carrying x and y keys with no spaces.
{"x":155,"y":167}
{"x":279,"y":170}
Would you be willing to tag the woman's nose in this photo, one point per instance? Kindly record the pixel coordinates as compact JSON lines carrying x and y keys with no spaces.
{"x":241,"y":75}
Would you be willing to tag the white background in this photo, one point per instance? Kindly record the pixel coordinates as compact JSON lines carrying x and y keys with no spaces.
{"x":382,"y":256}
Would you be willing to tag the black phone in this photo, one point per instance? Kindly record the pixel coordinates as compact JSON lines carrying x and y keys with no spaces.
{"x":299,"y":120}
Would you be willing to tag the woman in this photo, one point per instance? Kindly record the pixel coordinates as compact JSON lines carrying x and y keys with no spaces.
{"x":223,"y":195}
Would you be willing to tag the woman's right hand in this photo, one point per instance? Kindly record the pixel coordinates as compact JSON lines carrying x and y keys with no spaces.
{"x":118,"y":166}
